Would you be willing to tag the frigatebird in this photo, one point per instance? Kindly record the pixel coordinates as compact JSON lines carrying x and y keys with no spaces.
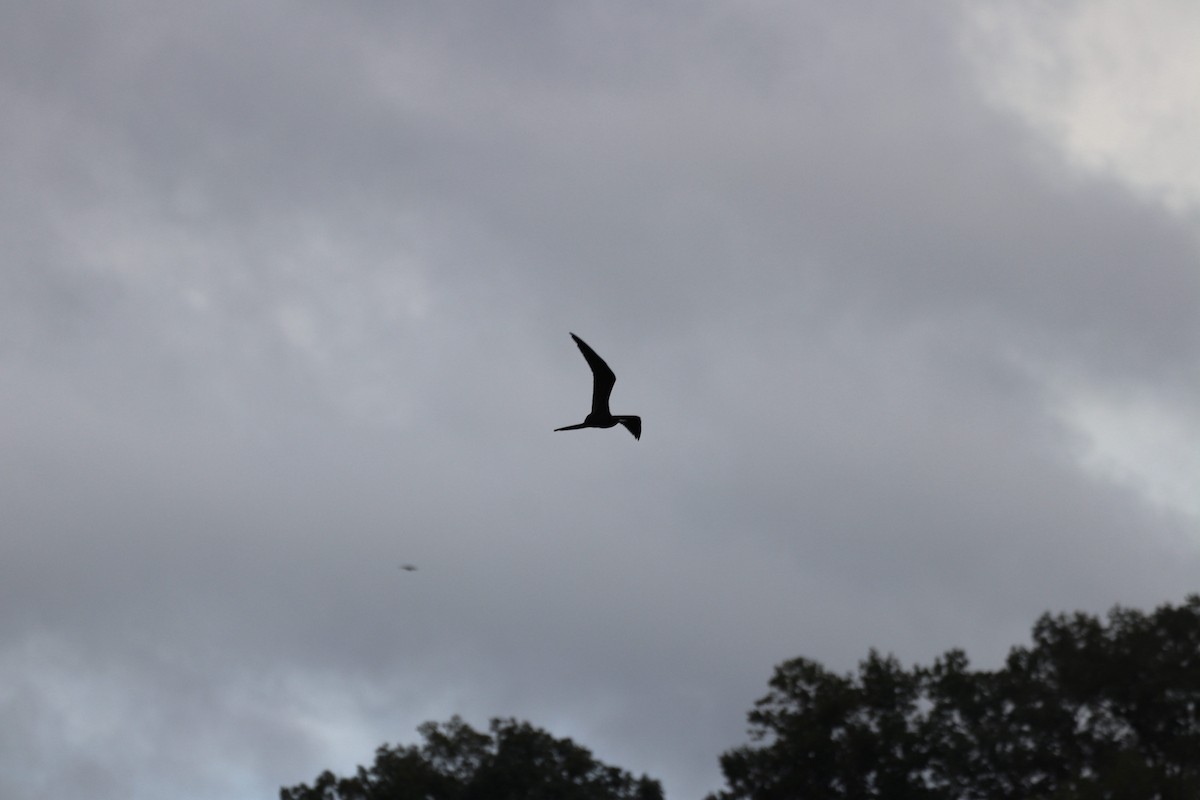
{"x":603,"y":380}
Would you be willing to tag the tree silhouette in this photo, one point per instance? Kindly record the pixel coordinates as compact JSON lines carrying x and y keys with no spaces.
{"x":1089,"y":711}
{"x":515,"y":761}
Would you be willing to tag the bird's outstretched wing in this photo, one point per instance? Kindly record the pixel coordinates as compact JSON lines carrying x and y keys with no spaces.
{"x":603,"y":378}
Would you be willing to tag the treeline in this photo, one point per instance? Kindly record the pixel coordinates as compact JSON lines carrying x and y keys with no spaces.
{"x":512,"y":761}
{"x":1094,"y":709}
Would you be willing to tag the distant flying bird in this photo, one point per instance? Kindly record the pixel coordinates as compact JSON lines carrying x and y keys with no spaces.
{"x":603,"y":380}
{"x":408,"y":567}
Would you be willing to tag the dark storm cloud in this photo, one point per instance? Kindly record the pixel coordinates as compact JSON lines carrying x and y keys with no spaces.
{"x":288,"y":306}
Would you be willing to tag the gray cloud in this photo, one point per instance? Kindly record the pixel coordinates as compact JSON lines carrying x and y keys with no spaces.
{"x":287,"y":306}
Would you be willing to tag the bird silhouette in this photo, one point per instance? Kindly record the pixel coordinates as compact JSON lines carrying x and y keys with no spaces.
{"x":603,"y":380}
{"x":408,"y":567}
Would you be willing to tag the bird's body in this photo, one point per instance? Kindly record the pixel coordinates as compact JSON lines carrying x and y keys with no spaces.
{"x":603,"y":381}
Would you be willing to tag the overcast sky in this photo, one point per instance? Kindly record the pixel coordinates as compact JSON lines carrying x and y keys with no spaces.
{"x":906,"y":294}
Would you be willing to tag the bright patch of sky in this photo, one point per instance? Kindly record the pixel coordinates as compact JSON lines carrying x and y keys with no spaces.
{"x":1114,"y":86}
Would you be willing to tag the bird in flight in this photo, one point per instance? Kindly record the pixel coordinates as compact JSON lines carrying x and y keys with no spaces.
{"x":408,"y":567}
{"x":603,"y":380}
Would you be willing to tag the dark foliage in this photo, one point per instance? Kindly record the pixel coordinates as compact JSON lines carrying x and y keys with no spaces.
{"x":1090,"y":711}
{"x":515,"y":761}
